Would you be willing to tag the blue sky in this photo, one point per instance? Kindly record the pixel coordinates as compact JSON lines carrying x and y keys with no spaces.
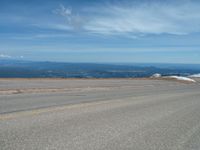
{"x":101,"y":30}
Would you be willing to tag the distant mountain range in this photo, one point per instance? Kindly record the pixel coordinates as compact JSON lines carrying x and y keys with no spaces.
{"x":30,"y":69}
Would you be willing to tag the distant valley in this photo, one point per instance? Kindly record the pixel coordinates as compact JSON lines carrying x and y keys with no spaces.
{"x":31,"y":69}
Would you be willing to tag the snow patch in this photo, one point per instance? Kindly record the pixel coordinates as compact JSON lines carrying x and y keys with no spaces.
{"x":195,"y":76}
{"x":156,"y":75}
{"x":181,"y":78}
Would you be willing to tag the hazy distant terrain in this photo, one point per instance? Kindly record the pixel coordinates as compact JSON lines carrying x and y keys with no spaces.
{"x":30,"y":69}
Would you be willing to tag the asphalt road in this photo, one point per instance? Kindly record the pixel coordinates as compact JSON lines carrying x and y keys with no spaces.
{"x":122,"y":114}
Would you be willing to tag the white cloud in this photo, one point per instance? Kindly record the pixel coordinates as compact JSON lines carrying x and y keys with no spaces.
{"x":5,"y":56}
{"x":54,"y":26}
{"x":147,"y":18}
{"x":74,"y":21}
{"x":11,"y":57}
{"x":137,"y":19}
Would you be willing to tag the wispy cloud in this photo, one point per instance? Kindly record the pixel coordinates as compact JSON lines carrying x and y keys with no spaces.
{"x":129,"y":18}
{"x":11,"y":57}
{"x":73,"y":19}
{"x":5,"y":56}
{"x":136,"y":19}
{"x":149,"y":18}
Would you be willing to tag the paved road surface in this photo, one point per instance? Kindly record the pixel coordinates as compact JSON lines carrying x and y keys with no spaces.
{"x":99,"y":115}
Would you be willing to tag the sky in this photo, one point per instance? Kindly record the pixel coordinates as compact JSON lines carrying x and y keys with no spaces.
{"x":125,"y":31}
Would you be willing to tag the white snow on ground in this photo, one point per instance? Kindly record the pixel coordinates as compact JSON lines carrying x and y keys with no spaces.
{"x":195,"y":76}
{"x":181,"y":78}
{"x":156,"y":75}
